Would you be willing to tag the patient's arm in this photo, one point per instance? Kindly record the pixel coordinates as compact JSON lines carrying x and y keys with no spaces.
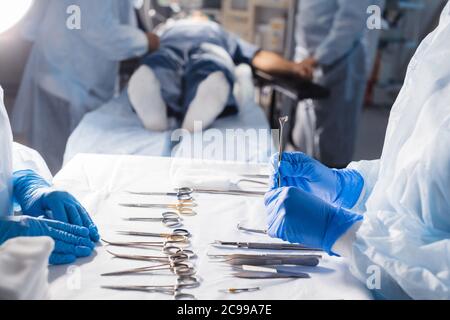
{"x":275,"y":64}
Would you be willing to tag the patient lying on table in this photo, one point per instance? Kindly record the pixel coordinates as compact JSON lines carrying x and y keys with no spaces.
{"x":192,"y":76}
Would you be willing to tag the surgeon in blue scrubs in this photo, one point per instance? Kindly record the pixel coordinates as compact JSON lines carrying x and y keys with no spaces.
{"x":330,"y":45}
{"x":73,"y":67}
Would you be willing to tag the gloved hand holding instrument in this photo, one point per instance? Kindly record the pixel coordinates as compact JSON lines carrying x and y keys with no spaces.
{"x":338,"y":187}
{"x":310,"y":205}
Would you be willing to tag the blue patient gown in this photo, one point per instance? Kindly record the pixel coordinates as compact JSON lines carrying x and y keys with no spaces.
{"x":190,"y":51}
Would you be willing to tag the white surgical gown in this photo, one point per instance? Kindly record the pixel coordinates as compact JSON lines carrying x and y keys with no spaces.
{"x":23,"y":261}
{"x":332,"y":31}
{"x":406,"y":231}
{"x":71,"y":71}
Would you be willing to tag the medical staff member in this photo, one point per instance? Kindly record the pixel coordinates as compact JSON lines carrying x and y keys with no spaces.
{"x":329,"y":40}
{"x":391,"y":214}
{"x":73,"y":67}
{"x":45,"y":210}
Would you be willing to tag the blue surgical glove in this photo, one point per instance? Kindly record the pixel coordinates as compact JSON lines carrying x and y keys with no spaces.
{"x":71,"y":242}
{"x":37,"y":198}
{"x":339,"y":187}
{"x":297,"y":216}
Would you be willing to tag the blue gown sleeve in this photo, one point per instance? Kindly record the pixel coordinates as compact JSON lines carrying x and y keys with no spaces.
{"x":349,"y":26}
{"x":101,"y":27}
{"x":30,"y":24}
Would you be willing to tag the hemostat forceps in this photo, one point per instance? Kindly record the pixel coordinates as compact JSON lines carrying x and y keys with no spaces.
{"x":180,"y":235}
{"x":184,"y":207}
{"x":169,"y":219}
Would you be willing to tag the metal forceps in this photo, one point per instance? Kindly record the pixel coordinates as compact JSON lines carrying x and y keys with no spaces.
{"x":178,"y":235}
{"x":169,"y":219}
{"x":283,"y":121}
{"x":184,"y":207}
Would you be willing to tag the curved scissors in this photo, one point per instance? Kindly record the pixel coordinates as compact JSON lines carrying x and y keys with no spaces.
{"x":169,"y":219}
{"x":178,"y":235}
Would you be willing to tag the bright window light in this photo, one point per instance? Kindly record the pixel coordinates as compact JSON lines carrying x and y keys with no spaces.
{"x":11,"y":11}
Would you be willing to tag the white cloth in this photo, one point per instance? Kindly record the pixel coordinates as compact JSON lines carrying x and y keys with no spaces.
{"x":72,"y":71}
{"x":24,"y":268}
{"x":406,"y":231}
{"x":100,"y":181}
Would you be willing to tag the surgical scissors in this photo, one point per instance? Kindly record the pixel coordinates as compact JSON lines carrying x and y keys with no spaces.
{"x":283,"y":121}
{"x":180,"y":254}
{"x":169,"y":219}
{"x":181,"y":194}
{"x":165,"y":246}
{"x":189,"y":282}
{"x":184,"y":207}
{"x":180,"y":235}
{"x":178,"y":264}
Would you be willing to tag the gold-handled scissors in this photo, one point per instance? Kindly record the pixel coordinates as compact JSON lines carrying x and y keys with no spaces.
{"x":184,"y":207}
{"x":178,"y":235}
{"x":181,"y":254}
{"x":166,"y":246}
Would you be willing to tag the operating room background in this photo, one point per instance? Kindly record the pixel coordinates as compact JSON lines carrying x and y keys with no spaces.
{"x":393,"y":60}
